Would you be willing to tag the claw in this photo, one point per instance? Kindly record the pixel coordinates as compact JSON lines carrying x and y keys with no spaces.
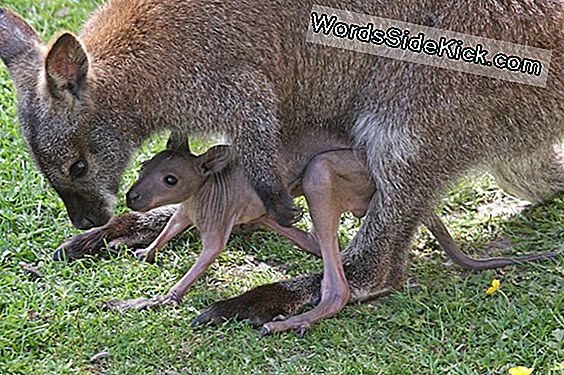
{"x":298,"y":214}
{"x":141,"y":254}
{"x":279,"y":318}
{"x":265,"y":331}
{"x":167,"y":300}
{"x":300,"y":326}
{"x":288,"y":216}
{"x":145,"y":255}
{"x":59,"y":255}
{"x":115,"y":244}
{"x":199,"y":320}
{"x":302,"y":330}
{"x":206,"y":317}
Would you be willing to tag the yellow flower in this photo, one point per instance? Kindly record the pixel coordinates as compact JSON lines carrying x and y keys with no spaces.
{"x":521,"y":370}
{"x":495,"y":286}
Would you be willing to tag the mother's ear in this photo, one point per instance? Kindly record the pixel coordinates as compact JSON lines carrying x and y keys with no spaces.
{"x":20,"y":45}
{"x":66,"y":67}
{"x":212,"y":161}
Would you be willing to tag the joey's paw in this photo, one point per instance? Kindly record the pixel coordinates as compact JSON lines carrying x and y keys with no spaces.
{"x":141,"y":254}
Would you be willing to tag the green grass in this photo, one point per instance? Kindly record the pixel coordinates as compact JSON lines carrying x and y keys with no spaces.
{"x":445,"y":324}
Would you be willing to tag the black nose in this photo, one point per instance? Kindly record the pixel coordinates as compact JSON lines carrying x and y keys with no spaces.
{"x":132,"y":197}
{"x":84,"y":223}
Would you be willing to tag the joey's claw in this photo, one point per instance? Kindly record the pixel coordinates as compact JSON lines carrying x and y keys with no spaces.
{"x":145,"y":255}
{"x":301,"y":326}
{"x":173,"y":297}
{"x":302,"y":330}
{"x":170,"y":301}
{"x":141,"y":253}
{"x":264,"y":331}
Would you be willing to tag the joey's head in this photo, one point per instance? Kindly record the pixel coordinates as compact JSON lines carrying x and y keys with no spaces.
{"x":73,"y":138}
{"x":174,"y":175}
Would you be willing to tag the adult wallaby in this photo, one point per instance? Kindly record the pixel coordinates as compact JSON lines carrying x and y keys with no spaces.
{"x":192,"y":64}
{"x":85,"y":104}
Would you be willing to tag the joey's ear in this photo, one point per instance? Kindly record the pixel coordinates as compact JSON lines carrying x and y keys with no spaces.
{"x":178,"y":142}
{"x":66,"y":66}
{"x":213,"y":160}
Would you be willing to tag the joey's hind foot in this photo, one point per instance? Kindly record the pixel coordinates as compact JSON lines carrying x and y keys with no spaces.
{"x":332,"y":301}
{"x":147,"y":255}
{"x":139,"y":303}
{"x":301,"y":326}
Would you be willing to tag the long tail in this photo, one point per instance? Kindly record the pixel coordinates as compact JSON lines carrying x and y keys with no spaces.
{"x":441,"y":233}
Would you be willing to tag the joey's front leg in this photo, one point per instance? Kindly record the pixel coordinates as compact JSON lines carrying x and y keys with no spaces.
{"x":214,"y":242}
{"x":177,"y":224}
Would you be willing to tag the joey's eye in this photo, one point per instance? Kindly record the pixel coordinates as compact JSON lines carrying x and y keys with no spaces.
{"x":170,"y":180}
{"x":78,"y":169}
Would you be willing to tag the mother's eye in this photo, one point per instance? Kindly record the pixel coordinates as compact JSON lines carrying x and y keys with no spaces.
{"x":78,"y":169}
{"x":170,"y":180}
